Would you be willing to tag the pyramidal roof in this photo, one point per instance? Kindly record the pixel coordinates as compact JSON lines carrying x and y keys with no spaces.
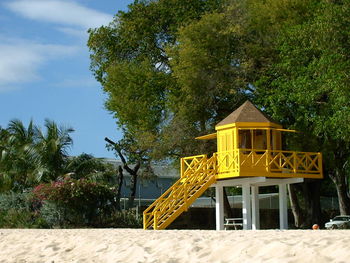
{"x":247,"y":112}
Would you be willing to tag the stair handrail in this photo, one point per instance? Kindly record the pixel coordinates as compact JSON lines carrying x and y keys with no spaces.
{"x":184,"y":179}
{"x":171,"y":188}
{"x":189,"y":179}
{"x":210,"y":161}
{"x":162,"y":205}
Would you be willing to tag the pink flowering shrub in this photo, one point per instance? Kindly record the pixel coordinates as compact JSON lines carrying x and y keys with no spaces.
{"x":81,"y":202}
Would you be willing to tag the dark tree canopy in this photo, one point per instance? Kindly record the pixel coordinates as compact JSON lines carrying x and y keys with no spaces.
{"x":151,"y":62}
{"x":173,"y":69}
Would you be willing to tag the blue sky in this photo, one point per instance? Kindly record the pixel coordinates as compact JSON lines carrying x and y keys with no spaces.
{"x":44,"y":67}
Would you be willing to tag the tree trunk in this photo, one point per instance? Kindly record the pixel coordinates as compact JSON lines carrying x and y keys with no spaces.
{"x":311,"y":189}
{"x":316,"y":203}
{"x":227,"y":208}
{"x":343,"y":199}
{"x":132,"y":172}
{"x":132,"y":189}
{"x":314,"y":189}
{"x":339,"y":179}
{"x":294,"y":203}
{"x":120,"y":180}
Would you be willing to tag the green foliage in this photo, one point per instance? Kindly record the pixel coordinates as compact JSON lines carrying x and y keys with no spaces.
{"x":85,"y":166}
{"x":28,"y":156}
{"x":52,"y":147}
{"x":206,"y":67}
{"x":123,"y":219}
{"x":47,"y":208}
{"x":306,"y":86}
{"x":58,"y":216}
{"x":19,"y":162}
{"x":131,"y":60}
{"x":75,"y":202}
{"x":315,"y":62}
{"x":130,"y":82}
{"x":142,"y":32}
{"x":21,"y":219}
{"x":17,"y":201}
{"x":190,"y":63}
{"x":17,"y":210}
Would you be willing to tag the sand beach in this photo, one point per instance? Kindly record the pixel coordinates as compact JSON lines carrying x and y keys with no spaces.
{"x":136,"y":245}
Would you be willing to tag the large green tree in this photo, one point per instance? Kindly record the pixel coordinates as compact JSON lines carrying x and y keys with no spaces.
{"x":308,"y":87}
{"x":262,"y":25}
{"x":172,"y":69}
{"x":136,"y":59}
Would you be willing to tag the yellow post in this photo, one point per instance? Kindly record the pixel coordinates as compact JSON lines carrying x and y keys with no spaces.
{"x":185,"y":195}
{"x":268,"y":146}
{"x":155,"y":221}
{"x":215,"y":165}
{"x":295,"y":162}
{"x":239,"y":161}
{"x":268,"y":138}
{"x":320,"y":163}
{"x":182,"y":167}
{"x":236,"y":138}
{"x":252,"y":145}
{"x":251,"y":138}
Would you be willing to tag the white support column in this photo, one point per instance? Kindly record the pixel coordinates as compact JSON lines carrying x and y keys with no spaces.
{"x":219,"y":207}
{"x":255,"y":208}
{"x":283,"y":206}
{"x":246,"y":207}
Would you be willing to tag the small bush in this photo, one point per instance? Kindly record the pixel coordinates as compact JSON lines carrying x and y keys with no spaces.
{"x":72,"y":203}
{"x":123,"y":219}
{"x":17,"y":210}
{"x":17,"y":201}
{"x":53,"y":215}
{"x":66,"y":204}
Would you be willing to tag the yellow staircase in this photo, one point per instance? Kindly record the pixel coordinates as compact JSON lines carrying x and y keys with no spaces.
{"x":197,"y":174}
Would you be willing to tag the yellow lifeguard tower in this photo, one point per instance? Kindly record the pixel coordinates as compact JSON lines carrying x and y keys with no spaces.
{"x":249,"y":154}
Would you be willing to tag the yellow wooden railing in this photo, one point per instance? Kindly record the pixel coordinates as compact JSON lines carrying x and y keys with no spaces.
{"x":228,"y":161}
{"x":197,"y":174}
{"x":270,"y":161}
{"x":189,"y":164}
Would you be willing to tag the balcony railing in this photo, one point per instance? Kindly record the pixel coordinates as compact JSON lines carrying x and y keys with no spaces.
{"x":269,"y":161}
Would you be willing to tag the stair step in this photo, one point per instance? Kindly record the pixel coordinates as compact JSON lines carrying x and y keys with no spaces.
{"x":177,"y":194}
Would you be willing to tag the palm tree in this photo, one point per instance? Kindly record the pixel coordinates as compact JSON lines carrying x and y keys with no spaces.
{"x":5,"y":181}
{"x":19,"y":162}
{"x":28,"y":156}
{"x":52,"y":147}
{"x":88,"y":167}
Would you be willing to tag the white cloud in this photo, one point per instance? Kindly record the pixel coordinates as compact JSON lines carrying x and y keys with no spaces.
{"x":61,"y":12}
{"x":21,"y":60}
{"x":82,"y":34}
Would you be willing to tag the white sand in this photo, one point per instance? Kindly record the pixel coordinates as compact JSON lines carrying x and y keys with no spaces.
{"x":129,"y":245}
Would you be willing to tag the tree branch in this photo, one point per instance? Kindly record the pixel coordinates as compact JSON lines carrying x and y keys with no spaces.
{"x":122,"y":158}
